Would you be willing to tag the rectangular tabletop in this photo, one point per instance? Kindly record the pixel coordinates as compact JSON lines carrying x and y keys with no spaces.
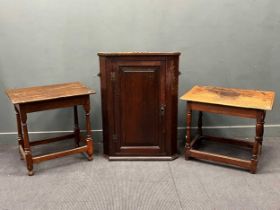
{"x":253,"y":99}
{"x":42,"y":93}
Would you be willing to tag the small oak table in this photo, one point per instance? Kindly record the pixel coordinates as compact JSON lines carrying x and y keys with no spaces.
{"x":33,"y":99}
{"x":229,"y":101}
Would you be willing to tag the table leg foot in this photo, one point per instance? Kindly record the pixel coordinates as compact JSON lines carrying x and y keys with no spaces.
{"x":89,"y":140}
{"x":30,"y":173}
{"x":187,"y":155}
{"x":253,"y":168}
{"x":253,"y":171}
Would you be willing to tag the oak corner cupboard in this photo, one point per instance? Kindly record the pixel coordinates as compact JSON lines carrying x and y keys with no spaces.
{"x":139,"y":93}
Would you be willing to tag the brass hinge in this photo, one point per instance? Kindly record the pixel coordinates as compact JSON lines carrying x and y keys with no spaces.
{"x":113,"y":76}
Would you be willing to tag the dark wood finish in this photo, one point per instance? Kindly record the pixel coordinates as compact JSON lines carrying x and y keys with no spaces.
{"x":76,"y":127}
{"x":220,"y":158}
{"x":26,"y":145}
{"x":88,"y":130}
{"x":258,"y":140}
{"x":59,"y":103}
{"x":139,"y":104}
{"x":206,"y":99}
{"x":27,"y":100}
{"x":38,"y":159}
{"x":221,"y":109}
{"x":199,"y":123}
{"x":19,"y":129}
{"x":189,"y":133}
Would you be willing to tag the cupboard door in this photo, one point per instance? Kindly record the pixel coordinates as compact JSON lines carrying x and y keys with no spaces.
{"x":139,"y":107}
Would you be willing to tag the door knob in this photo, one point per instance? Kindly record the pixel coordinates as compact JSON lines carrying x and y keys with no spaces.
{"x":162,"y":109}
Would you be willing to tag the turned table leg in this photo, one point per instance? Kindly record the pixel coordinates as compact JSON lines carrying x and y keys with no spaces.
{"x":199,"y":124}
{"x":76,"y":126}
{"x":261,"y":140}
{"x":26,"y":145}
{"x":19,"y":130}
{"x":258,"y":141}
{"x":89,"y":140}
{"x":188,"y":137}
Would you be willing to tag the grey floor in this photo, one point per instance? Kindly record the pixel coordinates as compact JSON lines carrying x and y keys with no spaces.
{"x":75,"y":183}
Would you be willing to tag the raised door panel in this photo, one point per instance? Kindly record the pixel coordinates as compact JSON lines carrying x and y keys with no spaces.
{"x":139,"y":107}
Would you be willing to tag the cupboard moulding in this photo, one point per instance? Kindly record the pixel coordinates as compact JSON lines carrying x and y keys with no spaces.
{"x":139,"y":93}
{"x":137,"y":53}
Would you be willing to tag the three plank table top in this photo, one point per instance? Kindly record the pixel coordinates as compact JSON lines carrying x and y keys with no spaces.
{"x":48,"y":92}
{"x":252,"y":99}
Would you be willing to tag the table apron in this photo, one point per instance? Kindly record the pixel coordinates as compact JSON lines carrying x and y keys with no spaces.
{"x":53,"y":103}
{"x":221,"y":109}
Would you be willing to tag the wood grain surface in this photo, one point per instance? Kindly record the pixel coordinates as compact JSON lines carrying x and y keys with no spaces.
{"x":253,"y":99}
{"x":42,"y":93}
{"x":139,"y":93}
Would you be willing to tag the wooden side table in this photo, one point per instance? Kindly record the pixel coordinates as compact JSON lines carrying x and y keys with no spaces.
{"x":33,"y":99}
{"x":235,"y":102}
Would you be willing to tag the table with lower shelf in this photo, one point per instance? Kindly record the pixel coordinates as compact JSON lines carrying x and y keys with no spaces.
{"x":33,"y":99}
{"x":227,"y":101}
